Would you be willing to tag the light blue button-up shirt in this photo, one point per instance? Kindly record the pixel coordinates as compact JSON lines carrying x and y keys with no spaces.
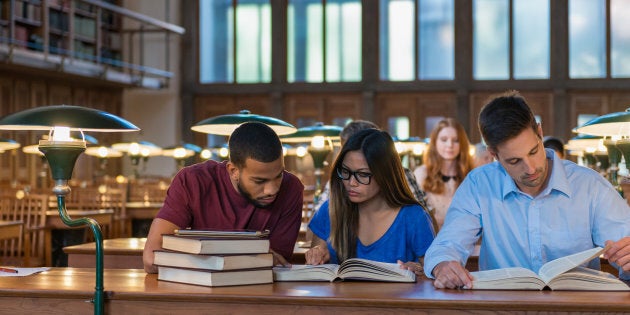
{"x":578,"y":210}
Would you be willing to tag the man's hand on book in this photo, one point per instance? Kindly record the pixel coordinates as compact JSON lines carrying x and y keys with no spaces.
{"x":317,"y":255}
{"x":451,"y":275}
{"x":619,"y":252}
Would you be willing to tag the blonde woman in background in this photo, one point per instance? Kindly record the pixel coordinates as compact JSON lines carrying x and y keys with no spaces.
{"x":446,"y":163}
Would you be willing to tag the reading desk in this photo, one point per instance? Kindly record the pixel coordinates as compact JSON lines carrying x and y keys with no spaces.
{"x":131,"y":291}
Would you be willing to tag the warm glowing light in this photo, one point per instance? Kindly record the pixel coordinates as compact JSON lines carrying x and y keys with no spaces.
{"x":400,"y":147}
{"x":120,"y":179}
{"x":134,"y":148}
{"x":102,"y":189}
{"x":471,"y":151}
{"x":301,"y":151}
{"x":103,"y":152}
{"x":179,"y":153}
{"x":20,"y":194}
{"x":318,"y":142}
{"x":223,"y":152}
{"x":206,"y":154}
{"x":145,"y":152}
{"x":417,"y":149}
{"x":61,"y":134}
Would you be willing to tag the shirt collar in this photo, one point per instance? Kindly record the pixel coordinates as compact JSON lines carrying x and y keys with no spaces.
{"x":558,"y":180}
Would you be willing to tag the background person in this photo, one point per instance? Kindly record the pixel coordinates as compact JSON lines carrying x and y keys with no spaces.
{"x":446,"y":163}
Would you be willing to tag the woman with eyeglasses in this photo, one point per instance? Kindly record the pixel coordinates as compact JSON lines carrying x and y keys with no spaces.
{"x":371,"y":212}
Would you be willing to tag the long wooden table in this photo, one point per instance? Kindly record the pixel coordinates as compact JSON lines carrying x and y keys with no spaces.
{"x":53,"y":221}
{"x":117,"y":253}
{"x":131,"y":291}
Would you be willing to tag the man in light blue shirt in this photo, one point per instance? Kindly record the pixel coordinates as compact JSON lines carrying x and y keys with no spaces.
{"x":528,"y":207}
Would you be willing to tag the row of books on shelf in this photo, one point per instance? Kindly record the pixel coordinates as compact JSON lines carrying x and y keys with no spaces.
{"x":233,"y":259}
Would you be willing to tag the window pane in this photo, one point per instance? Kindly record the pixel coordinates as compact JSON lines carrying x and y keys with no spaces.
{"x":305,"y":41}
{"x":343,"y":40}
{"x":397,"y":40}
{"x":398,"y":127}
{"x":215,"y":41}
{"x":253,"y":41}
{"x":587,"y":38}
{"x":620,"y":38}
{"x":490,"y":40}
{"x":531,"y":39}
{"x":436,"y":40}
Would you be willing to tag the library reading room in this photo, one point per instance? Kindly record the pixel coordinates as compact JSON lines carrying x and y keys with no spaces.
{"x":314,"y":156}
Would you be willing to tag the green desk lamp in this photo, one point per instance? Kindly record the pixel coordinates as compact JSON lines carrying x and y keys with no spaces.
{"x":61,"y":152}
{"x":224,"y":125}
{"x":321,"y":139}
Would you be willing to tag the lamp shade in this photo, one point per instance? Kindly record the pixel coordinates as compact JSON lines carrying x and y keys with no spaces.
{"x":74,"y":117}
{"x":306,"y":134}
{"x":225,"y":124}
{"x":8,"y":144}
{"x":613,"y":124}
{"x":584,"y":142}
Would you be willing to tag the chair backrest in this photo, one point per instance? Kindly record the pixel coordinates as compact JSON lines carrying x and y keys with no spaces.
{"x":31,"y":210}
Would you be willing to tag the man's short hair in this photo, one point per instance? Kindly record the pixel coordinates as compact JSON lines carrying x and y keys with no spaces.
{"x":253,"y":140}
{"x":504,"y":118}
{"x":353,"y":127}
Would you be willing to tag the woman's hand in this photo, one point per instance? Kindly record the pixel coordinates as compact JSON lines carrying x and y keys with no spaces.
{"x":317,"y":255}
{"x":414,"y":266}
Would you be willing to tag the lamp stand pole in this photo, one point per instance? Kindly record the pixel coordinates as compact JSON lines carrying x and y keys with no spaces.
{"x":61,"y":158}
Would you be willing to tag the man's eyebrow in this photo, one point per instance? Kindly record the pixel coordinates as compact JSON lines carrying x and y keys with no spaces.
{"x":265,"y":178}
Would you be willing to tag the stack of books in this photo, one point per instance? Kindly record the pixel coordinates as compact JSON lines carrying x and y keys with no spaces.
{"x":215,"y":258}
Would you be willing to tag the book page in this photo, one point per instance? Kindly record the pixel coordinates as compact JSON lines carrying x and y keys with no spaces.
{"x":563,"y":264}
{"x":514,"y":278}
{"x":586,"y":279}
{"x":357,"y":268}
{"x":325,"y":272}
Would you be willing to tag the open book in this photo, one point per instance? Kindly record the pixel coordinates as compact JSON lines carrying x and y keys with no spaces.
{"x":350,"y":269}
{"x":563,"y":273}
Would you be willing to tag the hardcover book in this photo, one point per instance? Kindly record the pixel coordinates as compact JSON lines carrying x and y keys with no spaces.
{"x":215,"y":278}
{"x":350,"y":269}
{"x":214,"y":245}
{"x":212,"y":262}
{"x":563,"y":273}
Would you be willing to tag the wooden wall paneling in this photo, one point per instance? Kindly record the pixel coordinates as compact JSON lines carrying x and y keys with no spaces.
{"x":587,"y":103}
{"x":396,"y":105}
{"x":39,"y":95}
{"x":6,"y":103}
{"x":59,"y":95}
{"x":303,"y":110}
{"x":619,"y":102}
{"x":433,"y":105}
{"x":541,"y":104}
{"x":342,"y":106}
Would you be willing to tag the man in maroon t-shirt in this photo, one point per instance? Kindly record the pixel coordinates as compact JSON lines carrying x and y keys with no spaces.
{"x":250,"y":191}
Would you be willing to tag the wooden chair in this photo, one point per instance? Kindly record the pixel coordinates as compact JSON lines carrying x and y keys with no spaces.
{"x":116,"y":199}
{"x":31,"y":210}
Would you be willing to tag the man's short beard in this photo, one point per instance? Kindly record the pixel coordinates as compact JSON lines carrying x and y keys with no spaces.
{"x":249,"y":197}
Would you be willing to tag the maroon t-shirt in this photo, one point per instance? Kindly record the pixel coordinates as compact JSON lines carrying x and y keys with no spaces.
{"x":201,"y":196}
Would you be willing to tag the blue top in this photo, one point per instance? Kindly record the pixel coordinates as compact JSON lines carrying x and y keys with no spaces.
{"x":407,"y":238}
{"x":578,"y":210}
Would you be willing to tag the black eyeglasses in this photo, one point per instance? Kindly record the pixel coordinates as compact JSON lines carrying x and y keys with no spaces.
{"x":363,"y":178}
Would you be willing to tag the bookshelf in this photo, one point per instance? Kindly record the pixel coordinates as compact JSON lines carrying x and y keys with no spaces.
{"x":62,"y":27}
